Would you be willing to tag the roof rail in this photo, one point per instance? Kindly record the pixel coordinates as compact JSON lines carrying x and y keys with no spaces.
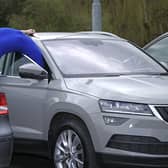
{"x":98,"y":32}
{"x":73,"y":34}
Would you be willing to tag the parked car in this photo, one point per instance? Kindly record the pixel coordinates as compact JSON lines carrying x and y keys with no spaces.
{"x":158,"y":49}
{"x":6,"y":136}
{"x":98,"y":98}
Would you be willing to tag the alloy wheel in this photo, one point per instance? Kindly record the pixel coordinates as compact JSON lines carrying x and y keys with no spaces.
{"x":69,"y":152}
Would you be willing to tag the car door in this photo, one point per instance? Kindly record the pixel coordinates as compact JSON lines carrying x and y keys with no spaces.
{"x":26,"y":98}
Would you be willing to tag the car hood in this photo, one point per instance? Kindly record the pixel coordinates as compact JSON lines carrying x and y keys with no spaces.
{"x":140,"y":88}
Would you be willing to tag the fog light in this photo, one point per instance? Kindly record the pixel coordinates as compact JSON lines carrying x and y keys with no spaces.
{"x":115,"y":121}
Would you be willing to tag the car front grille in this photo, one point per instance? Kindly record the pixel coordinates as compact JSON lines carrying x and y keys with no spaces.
{"x":163,"y":111}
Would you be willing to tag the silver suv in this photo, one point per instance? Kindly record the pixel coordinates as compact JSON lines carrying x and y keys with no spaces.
{"x":98,"y":98}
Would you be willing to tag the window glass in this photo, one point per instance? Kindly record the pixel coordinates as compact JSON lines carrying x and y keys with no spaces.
{"x":159,"y":50}
{"x":2,"y":61}
{"x":17,"y":60}
{"x":99,"y":56}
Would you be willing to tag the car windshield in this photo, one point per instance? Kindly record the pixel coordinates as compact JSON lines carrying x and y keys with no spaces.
{"x":100,"y":57}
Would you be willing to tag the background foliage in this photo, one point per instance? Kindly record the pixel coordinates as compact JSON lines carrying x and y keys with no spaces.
{"x":136,"y":20}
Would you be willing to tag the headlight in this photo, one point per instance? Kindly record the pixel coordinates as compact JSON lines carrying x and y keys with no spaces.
{"x":124,"y":107}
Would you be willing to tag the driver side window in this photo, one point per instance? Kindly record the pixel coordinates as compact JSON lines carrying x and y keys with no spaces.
{"x":14,"y":62}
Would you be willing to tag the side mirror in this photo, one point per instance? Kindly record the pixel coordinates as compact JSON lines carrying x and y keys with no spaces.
{"x":32,"y":71}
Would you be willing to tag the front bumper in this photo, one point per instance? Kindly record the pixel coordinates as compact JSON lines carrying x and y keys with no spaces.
{"x":139,"y":141}
{"x":142,"y":151}
{"x":138,"y":144}
{"x":133,"y":161}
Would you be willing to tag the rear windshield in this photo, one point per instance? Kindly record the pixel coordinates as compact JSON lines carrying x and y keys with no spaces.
{"x":99,"y":56}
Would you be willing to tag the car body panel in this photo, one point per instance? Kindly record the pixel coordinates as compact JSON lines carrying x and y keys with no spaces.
{"x":29,"y":95}
{"x":6,"y":141}
{"x":133,"y":88}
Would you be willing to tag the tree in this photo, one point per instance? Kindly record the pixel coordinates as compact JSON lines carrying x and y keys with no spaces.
{"x":55,"y":15}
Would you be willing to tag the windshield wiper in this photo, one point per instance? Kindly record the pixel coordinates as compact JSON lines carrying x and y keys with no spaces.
{"x":90,"y":75}
{"x":112,"y":74}
{"x":163,"y":74}
{"x":146,"y":73}
{"x":155,"y":73}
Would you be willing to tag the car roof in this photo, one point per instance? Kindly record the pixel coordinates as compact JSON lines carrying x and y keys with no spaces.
{"x":67,"y":35}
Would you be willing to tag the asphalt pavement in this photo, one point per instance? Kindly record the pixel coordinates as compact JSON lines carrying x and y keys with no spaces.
{"x":28,"y":161}
{"x":31,"y":161}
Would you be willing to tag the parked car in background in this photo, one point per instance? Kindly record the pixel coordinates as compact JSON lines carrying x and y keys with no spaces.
{"x":6,"y":136}
{"x":98,"y":98}
{"x":158,"y":49}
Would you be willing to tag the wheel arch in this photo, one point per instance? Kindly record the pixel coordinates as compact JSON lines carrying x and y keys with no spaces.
{"x":65,"y":114}
{"x":58,"y":116}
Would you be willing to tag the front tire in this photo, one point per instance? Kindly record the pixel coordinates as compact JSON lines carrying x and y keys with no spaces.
{"x":72,"y":145}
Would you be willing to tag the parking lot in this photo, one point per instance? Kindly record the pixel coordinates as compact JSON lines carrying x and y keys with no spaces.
{"x":30,"y":161}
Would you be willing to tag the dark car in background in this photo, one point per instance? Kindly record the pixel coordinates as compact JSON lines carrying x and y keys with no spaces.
{"x":6,"y":136}
{"x":158,"y":49}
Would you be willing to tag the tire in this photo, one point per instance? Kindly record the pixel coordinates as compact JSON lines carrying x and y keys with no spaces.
{"x":71,"y":144}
